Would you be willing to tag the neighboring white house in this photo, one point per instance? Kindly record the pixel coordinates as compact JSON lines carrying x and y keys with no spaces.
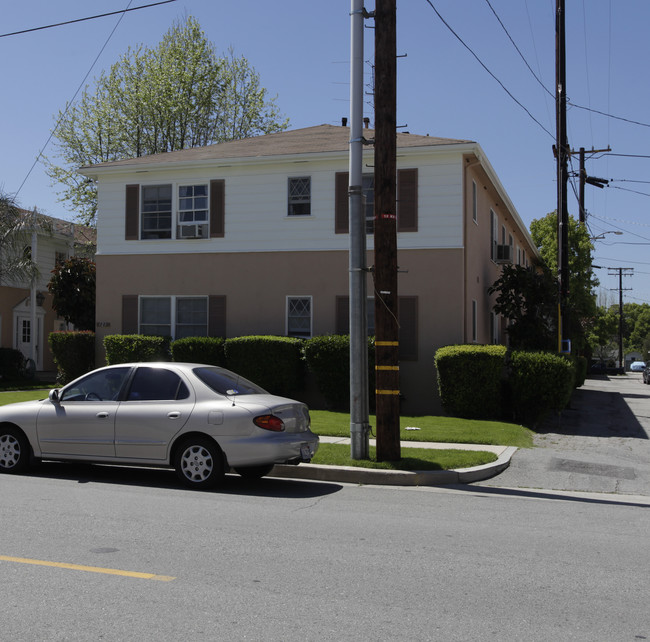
{"x":251,"y":237}
{"x":26,"y":315}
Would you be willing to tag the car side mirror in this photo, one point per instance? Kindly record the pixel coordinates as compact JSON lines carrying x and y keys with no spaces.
{"x":54,"y":395}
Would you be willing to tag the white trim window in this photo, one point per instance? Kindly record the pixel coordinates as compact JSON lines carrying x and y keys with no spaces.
{"x":156,"y":212}
{"x":299,"y":198}
{"x":173,"y":316}
{"x":299,"y":316}
{"x":173,"y":211}
{"x":192,"y":211}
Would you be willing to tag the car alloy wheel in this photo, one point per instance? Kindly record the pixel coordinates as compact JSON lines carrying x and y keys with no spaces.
{"x":199,"y":463}
{"x":14,"y":451}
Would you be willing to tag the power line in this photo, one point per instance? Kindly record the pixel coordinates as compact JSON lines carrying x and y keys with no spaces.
{"x":69,"y":104}
{"x":519,"y":51}
{"x":480,"y":62}
{"x":69,"y":22}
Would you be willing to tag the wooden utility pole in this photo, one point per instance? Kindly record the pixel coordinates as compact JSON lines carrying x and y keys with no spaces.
{"x":385,"y":214}
{"x":562,"y":180}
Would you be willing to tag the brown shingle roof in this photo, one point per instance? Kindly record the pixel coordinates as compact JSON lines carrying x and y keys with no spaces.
{"x":310,"y":140}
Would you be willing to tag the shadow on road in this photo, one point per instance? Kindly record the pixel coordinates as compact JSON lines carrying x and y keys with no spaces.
{"x":597,"y":413}
{"x":166,"y":479}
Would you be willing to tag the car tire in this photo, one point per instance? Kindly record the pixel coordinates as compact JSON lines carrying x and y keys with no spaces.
{"x":199,"y":463}
{"x":254,"y":472}
{"x":14,"y":450}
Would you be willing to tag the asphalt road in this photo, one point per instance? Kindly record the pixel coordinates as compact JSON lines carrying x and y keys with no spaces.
{"x":600,"y":444}
{"x":296,"y":560}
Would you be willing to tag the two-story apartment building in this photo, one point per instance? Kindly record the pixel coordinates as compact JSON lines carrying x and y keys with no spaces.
{"x":251,"y":237}
{"x":26,"y":314}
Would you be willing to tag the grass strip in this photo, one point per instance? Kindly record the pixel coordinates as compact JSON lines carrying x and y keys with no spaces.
{"x":412,"y":458}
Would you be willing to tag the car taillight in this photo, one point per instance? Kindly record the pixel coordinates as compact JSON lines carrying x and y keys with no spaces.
{"x":269,"y":422}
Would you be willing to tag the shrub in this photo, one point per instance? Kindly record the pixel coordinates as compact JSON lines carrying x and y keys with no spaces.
{"x":208,"y":350}
{"x":12,"y":364}
{"x":127,"y":348}
{"x":470,"y":380}
{"x":274,"y":363}
{"x":328,"y":357}
{"x":73,"y":353}
{"x":540,"y":383}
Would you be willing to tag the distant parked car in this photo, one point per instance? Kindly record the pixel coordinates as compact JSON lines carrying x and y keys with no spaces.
{"x":637,"y":366}
{"x":199,"y":419}
{"x":646,"y":376}
{"x":598,"y":367}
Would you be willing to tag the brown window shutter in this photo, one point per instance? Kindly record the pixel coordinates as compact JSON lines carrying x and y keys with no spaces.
{"x":342,"y":321}
{"x":132,"y":214}
{"x":407,"y":200}
{"x":341,"y":206}
{"x":217,"y":208}
{"x":216,"y":316}
{"x":408,"y":330}
{"x":129,"y":314}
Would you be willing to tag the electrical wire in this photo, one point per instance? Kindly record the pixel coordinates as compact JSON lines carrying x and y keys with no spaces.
{"x":69,"y":104}
{"x":480,"y":62}
{"x":69,"y":22}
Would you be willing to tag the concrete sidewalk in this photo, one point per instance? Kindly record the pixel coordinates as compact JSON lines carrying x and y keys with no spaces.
{"x":358,"y":475}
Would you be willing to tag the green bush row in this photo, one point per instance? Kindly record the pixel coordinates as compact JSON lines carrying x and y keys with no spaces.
{"x":276,"y":363}
{"x":488,"y":382}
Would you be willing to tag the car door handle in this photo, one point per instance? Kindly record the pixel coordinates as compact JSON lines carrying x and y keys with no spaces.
{"x":102,"y":415}
{"x":175,"y":414}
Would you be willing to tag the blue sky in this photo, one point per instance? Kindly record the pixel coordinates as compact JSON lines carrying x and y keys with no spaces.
{"x":301,"y":50}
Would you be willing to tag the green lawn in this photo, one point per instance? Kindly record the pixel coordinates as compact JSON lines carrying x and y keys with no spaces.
{"x":12,"y":396}
{"x":433,"y":428}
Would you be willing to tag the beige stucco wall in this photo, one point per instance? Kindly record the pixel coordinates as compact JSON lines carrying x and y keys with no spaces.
{"x":256,"y":286}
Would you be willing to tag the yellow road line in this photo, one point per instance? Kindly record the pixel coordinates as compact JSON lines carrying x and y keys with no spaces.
{"x":89,"y":569}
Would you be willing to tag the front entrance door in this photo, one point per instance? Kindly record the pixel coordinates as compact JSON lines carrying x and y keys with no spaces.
{"x":24,"y":335}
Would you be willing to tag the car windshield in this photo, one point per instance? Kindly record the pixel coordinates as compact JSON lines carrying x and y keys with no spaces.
{"x":227,"y":383}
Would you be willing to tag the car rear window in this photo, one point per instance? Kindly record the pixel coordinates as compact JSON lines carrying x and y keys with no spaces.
{"x":227,"y":383}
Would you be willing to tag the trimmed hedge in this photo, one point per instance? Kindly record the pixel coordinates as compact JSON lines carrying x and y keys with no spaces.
{"x":73,"y":353}
{"x":328,"y":357}
{"x":209,"y":350}
{"x":274,"y":363}
{"x":470,"y":380}
{"x":12,"y":364}
{"x":127,"y":348}
{"x":540,"y":383}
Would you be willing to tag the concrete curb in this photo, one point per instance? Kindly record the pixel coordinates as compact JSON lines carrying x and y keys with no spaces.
{"x":357,"y":475}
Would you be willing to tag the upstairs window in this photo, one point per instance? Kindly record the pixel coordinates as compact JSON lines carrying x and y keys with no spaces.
{"x":157,"y":212}
{"x":299,"y":196}
{"x":192,"y":211}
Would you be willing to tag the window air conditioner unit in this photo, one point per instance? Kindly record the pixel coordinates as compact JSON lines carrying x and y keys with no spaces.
{"x":504,"y":254}
{"x":193,"y":231}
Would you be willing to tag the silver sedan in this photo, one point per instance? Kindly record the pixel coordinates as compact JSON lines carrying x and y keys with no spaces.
{"x":201,"y":420}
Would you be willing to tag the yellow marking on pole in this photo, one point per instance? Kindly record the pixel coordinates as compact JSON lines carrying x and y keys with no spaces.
{"x":386,"y":343}
{"x":386,"y":367}
{"x":386,"y":392}
{"x":89,"y":569}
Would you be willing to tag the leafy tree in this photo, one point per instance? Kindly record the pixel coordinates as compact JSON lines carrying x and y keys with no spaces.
{"x":73,"y":290}
{"x":581,"y":304}
{"x":178,"y":95}
{"x":16,"y":225}
{"x":603,"y":333}
{"x":528,"y":299}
